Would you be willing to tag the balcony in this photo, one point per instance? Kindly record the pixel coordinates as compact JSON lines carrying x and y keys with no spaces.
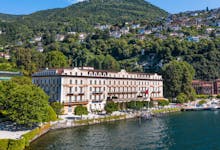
{"x":96,"y":101}
{"x":75,"y":94}
{"x":122,"y":92}
{"x":75,"y":85}
{"x":75,"y":103}
{"x":97,"y":93}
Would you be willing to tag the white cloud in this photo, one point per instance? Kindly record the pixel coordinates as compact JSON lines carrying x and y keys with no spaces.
{"x":74,"y":1}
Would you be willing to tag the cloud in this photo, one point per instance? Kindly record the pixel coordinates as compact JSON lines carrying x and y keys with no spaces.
{"x":74,"y":1}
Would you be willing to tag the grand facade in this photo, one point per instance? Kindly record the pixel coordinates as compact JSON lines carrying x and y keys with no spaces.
{"x":93,"y":88}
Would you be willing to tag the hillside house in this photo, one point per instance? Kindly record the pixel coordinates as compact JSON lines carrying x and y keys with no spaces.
{"x":193,"y":39}
{"x":5,"y":55}
{"x":59,"y":37}
{"x":115,"y":34}
{"x":125,"y":30}
{"x":37,"y":38}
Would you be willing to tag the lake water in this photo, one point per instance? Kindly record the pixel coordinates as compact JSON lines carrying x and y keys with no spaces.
{"x":180,"y":131}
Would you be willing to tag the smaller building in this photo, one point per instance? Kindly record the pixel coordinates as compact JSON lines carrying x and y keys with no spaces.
{"x":5,"y":55}
{"x":217,"y":86}
{"x":7,"y":75}
{"x":115,"y":34}
{"x":207,"y":87}
{"x":59,"y":37}
{"x":37,"y":38}
{"x":193,"y":39}
{"x":203,"y":87}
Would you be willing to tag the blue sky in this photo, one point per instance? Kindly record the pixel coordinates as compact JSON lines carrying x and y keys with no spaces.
{"x":30,"y":6}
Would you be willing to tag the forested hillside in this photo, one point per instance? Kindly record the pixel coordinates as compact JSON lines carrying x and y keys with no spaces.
{"x":80,"y":17}
{"x":111,"y":34}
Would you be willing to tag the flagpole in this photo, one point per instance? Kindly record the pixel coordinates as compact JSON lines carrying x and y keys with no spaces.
{"x":147,"y":93}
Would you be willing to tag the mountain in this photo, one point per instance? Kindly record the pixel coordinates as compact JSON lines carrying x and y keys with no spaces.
{"x":7,"y":17}
{"x":103,"y":11}
{"x":79,"y":17}
{"x":92,"y":12}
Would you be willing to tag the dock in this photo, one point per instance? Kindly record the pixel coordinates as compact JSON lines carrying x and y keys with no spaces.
{"x":200,"y":108}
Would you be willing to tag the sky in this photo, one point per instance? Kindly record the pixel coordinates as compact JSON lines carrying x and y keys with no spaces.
{"x":30,"y":6}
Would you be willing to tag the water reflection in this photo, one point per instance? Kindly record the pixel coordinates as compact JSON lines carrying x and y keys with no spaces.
{"x":194,"y":130}
{"x":118,"y":135}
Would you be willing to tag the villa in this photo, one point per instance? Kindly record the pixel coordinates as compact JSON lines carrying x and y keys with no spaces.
{"x":93,"y":88}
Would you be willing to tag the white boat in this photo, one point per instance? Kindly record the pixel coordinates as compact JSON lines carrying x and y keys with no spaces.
{"x":214,"y":107}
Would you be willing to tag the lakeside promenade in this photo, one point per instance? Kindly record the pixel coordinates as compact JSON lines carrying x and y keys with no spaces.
{"x":68,"y":121}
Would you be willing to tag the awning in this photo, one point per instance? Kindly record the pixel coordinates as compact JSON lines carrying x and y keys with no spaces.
{"x":158,"y":98}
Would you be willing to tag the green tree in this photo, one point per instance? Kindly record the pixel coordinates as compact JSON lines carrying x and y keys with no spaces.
{"x":178,"y":76}
{"x":110,"y":107}
{"x":163,"y":103}
{"x":23,"y":104}
{"x":22,"y":80}
{"x":182,"y":98}
{"x":56,"y":59}
{"x":57,"y":107}
{"x":135,"y":105}
{"x":5,"y":66}
{"x":51,"y":114}
{"x":202,"y":102}
{"x":110,"y":63}
{"x":80,"y":110}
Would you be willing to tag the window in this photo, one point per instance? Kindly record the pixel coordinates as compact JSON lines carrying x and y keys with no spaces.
{"x":71,"y":81}
{"x":81,"y":82}
{"x":76,"y":89}
{"x":70,"y":99}
{"x":75,"y":81}
{"x":70,"y":90}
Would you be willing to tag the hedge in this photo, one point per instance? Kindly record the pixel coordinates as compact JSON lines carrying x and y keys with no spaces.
{"x":202,"y":96}
{"x":4,"y":144}
{"x":163,"y":102}
{"x":165,"y":110}
{"x":16,"y":144}
{"x":9,"y":144}
{"x":105,"y":119}
{"x":30,"y":135}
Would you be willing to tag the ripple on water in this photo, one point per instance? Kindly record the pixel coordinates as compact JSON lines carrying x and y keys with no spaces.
{"x":183,"y":131}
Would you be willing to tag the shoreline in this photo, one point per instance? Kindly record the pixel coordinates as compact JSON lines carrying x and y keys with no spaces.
{"x":26,"y":139}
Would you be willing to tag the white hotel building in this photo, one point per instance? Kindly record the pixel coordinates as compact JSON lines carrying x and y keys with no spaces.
{"x":93,"y":88}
